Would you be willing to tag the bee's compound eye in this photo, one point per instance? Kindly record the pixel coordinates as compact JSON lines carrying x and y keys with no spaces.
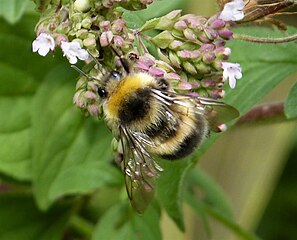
{"x":115,"y":75}
{"x":102,"y":92}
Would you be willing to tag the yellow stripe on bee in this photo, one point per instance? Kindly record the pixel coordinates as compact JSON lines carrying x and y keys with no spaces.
{"x":126,"y":87}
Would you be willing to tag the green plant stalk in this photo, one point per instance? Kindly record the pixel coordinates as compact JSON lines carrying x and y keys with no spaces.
{"x":265,"y":40}
{"x":82,"y":226}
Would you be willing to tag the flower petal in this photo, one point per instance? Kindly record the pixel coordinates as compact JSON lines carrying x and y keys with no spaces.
{"x":43,"y":44}
{"x":233,"y":11}
{"x":231,"y":72}
{"x":72,"y":50}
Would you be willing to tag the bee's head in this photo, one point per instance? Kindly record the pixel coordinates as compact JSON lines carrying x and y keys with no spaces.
{"x":111,"y":82}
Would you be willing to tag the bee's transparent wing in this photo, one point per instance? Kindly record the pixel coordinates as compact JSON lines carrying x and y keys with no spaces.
{"x":140,"y":170}
{"x":216,"y":112}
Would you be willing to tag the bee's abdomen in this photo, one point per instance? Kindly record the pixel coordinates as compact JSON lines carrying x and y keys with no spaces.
{"x":185,"y":147}
{"x":135,"y":107}
{"x":178,"y":140}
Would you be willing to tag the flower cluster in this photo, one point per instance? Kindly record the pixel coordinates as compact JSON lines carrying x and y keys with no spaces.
{"x":85,"y":23}
{"x":195,"y":47}
{"x":87,"y":86}
{"x":191,"y":49}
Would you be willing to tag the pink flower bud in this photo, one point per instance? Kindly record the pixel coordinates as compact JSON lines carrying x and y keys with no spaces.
{"x":211,"y":34}
{"x":209,"y":57}
{"x":118,"y":25}
{"x":189,"y":54}
{"x":142,"y":66}
{"x":105,"y":25}
{"x":173,"y":14}
{"x":119,"y":41}
{"x":157,"y":72}
{"x":190,"y":34}
{"x":93,"y":86}
{"x":172,"y":76}
{"x":147,"y":59}
{"x":106,"y":38}
{"x":225,"y":34}
{"x":219,"y":43}
{"x":184,"y":85}
{"x":193,"y":22}
{"x":180,"y":25}
{"x":175,"y":44}
{"x":217,"y":23}
{"x":208,"y":83}
{"x":93,"y":110}
{"x":208,"y":47}
{"x":90,"y":95}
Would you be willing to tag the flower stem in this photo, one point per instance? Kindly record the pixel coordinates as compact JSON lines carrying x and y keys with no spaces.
{"x":265,"y":40}
{"x":82,"y":226}
{"x":262,"y":113}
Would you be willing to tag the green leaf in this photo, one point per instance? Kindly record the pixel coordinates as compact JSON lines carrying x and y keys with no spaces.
{"x":213,"y":196}
{"x":264,"y":66}
{"x":20,"y":219}
{"x":218,"y":216}
{"x":291,"y":103}
{"x":20,"y":74}
{"x":85,"y":177}
{"x":212,"y":192}
{"x":147,"y":226}
{"x":12,"y":10}
{"x":170,"y":186}
{"x":42,"y":5}
{"x":158,"y":8}
{"x":197,"y":207}
{"x":119,"y":222}
{"x":112,"y":225}
{"x":16,"y":90}
{"x":63,"y":139}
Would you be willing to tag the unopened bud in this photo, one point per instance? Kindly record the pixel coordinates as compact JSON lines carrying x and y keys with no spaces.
{"x":189,"y":68}
{"x":180,"y":25}
{"x":217,"y":24}
{"x":94,"y":110}
{"x":225,"y":34}
{"x":202,"y":68}
{"x":90,"y":95}
{"x":157,"y":72}
{"x":106,"y":38}
{"x":174,"y":59}
{"x":82,"y":5}
{"x":163,"y":40}
{"x":190,"y":34}
{"x":89,"y":42}
{"x":184,"y":85}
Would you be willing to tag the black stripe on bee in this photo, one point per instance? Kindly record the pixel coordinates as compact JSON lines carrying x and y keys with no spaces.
{"x":163,"y":129}
{"x":191,"y":141}
{"x":136,"y":106}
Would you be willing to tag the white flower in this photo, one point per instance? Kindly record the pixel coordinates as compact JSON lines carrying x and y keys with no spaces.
{"x":72,"y":50}
{"x":43,"y":44}
{"x":232,"y":72}
{"x":233,"y":11}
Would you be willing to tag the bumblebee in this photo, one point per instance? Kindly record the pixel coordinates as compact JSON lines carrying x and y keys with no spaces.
{"x":150,"y":120}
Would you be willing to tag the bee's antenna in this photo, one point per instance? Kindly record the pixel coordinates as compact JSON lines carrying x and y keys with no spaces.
{"x":123,"y":60}
{"x":81,"y":72}
{"x":94,"y":58}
